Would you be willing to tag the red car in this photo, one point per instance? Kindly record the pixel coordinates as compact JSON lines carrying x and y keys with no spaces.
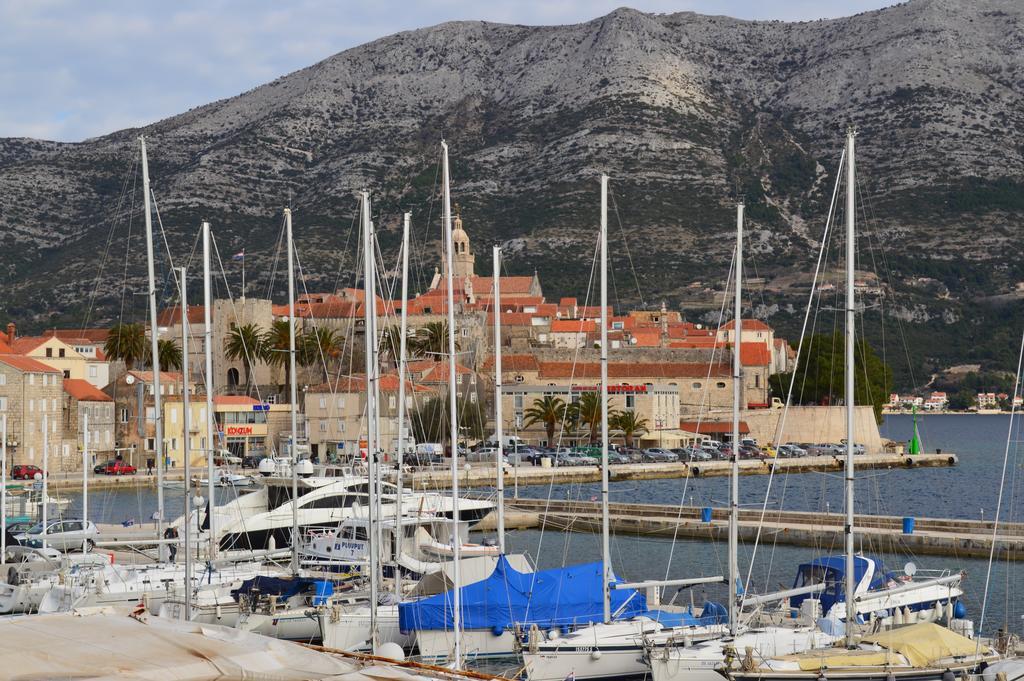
{"x":25,"y":472}
{"x":119,"y":468}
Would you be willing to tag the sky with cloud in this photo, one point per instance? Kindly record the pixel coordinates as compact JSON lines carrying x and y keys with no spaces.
{"x":70,"y":69}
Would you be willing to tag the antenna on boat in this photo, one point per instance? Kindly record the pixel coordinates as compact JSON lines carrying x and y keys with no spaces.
{"x":851,"y":604}
{"x":737,"y":400}
{"x":606,"y":554}
{"x":158,"y":417}
{"x":453,"y":417}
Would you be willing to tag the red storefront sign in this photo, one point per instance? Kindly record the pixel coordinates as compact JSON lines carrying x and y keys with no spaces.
{"x":239,"y":430}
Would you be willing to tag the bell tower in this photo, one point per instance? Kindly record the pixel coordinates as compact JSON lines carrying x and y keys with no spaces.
{"x":462,"y":257}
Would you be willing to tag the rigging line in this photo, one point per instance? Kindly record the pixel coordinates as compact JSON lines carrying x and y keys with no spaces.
{"x":869,"y":207}
{"x":417,"y":263}
{"x":344,"y":254}
{"x":127,"y":244}
{"x":999,"y":501}
{"x":705,"y":394}
{"x":113,"y":221}
{"x":625,"y":243}
{"x":250,"y":358}
{"x":789,"y":394}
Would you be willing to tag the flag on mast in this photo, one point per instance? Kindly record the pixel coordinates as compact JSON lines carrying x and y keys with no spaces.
{"x":240,"y":256}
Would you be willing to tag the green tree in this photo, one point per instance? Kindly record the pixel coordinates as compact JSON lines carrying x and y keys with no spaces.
{"x":628,"y":423}
{"x":321,"y":346}
{"x":391,"y":344}
{"x":587,"y":412}
{"x":548,"y":410}
{"x":820,"y":374}
{"x":963,"y":400}
{"x":169,"y":353}
{"x":431,"y":341}
{"x":430,"y":421}
{"x":246,"y":343}
{"x":276,"y":345}
{"x":126,"y":342}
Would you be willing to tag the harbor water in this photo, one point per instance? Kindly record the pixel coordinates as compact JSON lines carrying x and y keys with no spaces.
{"x":969,"y":490}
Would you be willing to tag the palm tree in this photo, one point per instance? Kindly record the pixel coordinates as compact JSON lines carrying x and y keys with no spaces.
{"x":431,"y":340}
{"x":168,"y":351}
{"x":126,"y":342}
{"x":319,"y":345}
{"x":588,"y":412}
{"x":548,"y":410}
{"x":629,"y":423}
{"x":245,"y":343}
{"x":276,"y":346}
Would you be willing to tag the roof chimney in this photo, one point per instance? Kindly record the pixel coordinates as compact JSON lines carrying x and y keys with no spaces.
{"x":10,"y":332}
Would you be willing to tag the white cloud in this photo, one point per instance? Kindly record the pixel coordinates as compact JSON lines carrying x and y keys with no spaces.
{"x":71,"y":70}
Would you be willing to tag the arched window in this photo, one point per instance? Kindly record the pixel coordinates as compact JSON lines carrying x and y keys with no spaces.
{"x":232,"y":377}
{"x":720,"y":384}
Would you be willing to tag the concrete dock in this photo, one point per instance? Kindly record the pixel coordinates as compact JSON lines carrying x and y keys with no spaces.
{"x":933,"y":536}
{"x":481,"y":475}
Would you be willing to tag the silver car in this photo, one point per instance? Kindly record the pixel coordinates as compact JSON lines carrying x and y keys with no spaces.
{"x":64,"y":535}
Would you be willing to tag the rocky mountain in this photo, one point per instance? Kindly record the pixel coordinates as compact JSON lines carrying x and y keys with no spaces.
{"x":687,"y":113}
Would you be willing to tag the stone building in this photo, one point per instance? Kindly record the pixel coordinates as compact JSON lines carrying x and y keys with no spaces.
{"x":32,"y":397}
{"x":82,"y":399}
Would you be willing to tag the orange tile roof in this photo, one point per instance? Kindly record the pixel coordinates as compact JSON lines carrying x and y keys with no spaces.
{"x":147,"y":376}
{"x":26,"y":344}
{"x":748,"y":325}
{"x":646,"y":338}
{"x":172,"y":315}
{"x":27,"y":364}
{"x":5,"y":349}
{"x":83,"y":391}
{"x":567,"y":301}
{"x":92,"y":335}
{"x":573,"y":326}
{"x":434,"y":372}
{"x":755,"y":354}
{"x":660,"y":370}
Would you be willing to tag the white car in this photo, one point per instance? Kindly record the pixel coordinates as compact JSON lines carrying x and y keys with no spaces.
{"x":64,"y":535}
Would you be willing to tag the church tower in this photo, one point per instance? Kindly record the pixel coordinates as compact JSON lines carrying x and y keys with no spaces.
{"x":462,"y":257}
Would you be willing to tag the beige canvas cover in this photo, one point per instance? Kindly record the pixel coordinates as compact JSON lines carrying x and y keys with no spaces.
{"x":925,"y":642}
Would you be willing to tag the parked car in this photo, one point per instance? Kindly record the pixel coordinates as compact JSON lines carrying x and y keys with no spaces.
{"x":61,"y":534}
{"x":658,"y":455}
{"x":693,"y":454}
{"x":25,"y":472}
{"x":615,"y":458}
{"x":750,"y":452}
{"x":226,"y":459}
{"x":252,"y":461}
{"x":102,"y":466}
{"x":119,"y":468}
{"x":790,"y":451}
{"x":857,"y":448}
{"x":482,"y":455}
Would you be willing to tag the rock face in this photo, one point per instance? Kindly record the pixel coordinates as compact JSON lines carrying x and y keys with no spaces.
{"x":687,"y":113}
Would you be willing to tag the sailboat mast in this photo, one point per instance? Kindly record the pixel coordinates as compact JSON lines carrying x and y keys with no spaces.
{"x":499,"y":429}
{"x":85,"y":481}
{"x":186,"y":423}
{"x":737,"y":395}
{"x":158,"y":414}
{"x":453,"y":416}
{"x":370,"y":340}
{"x":403,"y":330}
{"x":606,"y":553}
{"x":3,"y":482}
{"x":851,"y":169}
{"x":294,"y":398}
{"x":211,"y":434}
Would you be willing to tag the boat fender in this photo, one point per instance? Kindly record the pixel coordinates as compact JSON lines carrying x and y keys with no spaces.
{"x":910,"y":462}
{"x":554,"y":633}
{"x":959,"y":610}
{"x":696,"y":471}
{"x":13,"y":578}
{"x":595,"y":655}
{"x":951,"y":461}
{"x":497,"y":630}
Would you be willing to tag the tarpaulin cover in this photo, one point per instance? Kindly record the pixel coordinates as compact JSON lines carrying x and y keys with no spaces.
{"x":507,"y":597}
{"x":284,"y":587}
{"x":926,"y":642}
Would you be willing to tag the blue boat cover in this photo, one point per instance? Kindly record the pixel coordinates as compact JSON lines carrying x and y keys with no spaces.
{"x":286,"y":587}
{"x":546,"y":598}
{"x":713,"y":613}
